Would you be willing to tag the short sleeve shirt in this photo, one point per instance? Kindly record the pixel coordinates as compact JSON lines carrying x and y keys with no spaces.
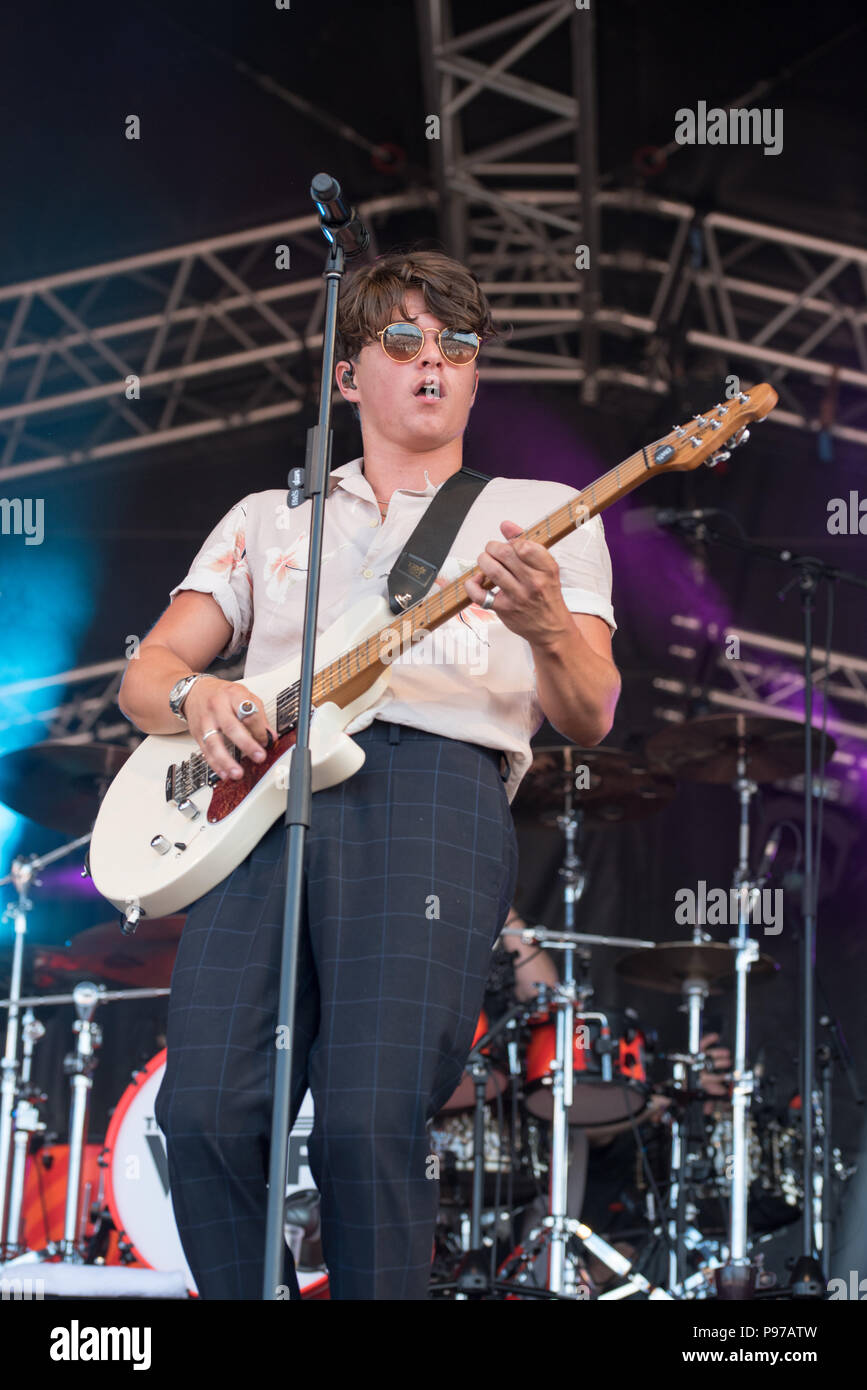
{"x":471,"y":679}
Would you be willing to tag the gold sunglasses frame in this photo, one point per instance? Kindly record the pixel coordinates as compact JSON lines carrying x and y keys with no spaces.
{"x":403,"y":362}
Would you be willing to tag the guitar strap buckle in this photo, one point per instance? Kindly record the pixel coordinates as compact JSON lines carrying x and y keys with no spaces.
{"x":421,"y":559}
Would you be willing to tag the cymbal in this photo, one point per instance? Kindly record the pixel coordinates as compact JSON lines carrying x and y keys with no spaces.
{"x":103,"y":953}
{"x":670,"y":963}
{"x":60,"y":783}
{"x":619,"y":787}
{"x":706,"y":749}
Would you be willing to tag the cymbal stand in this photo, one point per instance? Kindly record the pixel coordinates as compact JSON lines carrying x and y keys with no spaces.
{"x":686,"y":1072}
{"x":104,"y":996}
{"x":574,"y":880}
{"x":479,"y":1067}
{"x":737,"y":1278}
{"x":27,"y":1123}
{"x":79,"y":1065}
{"x":21,"y":876}
{"x":834,"y":1050}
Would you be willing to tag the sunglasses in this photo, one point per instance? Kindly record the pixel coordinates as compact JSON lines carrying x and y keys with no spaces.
{"x":403,"y":342}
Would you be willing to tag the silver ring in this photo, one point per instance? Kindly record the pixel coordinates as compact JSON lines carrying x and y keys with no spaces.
{"x":489,"y":599}
{"x":246,"y":708}
{"x":209,"y":734}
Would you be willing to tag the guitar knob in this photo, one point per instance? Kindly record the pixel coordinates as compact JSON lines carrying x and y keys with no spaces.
{"x":161,"y":844}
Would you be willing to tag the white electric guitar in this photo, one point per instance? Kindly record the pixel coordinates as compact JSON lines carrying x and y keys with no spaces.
{"x":168,"y":829}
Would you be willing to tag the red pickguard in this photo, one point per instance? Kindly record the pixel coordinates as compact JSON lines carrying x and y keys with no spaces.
{"x":229,"y":794}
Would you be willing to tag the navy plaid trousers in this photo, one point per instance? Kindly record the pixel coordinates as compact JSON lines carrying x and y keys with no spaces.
{"x":410,"y":868}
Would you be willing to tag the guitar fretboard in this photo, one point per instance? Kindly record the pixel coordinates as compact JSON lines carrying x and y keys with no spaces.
{"x":446,"y":602}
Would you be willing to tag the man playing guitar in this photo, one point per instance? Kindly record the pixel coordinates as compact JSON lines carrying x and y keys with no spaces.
{"x":411,"y":863}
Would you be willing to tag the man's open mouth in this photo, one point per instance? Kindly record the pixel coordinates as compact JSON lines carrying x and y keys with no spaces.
{"x":430,"y":388}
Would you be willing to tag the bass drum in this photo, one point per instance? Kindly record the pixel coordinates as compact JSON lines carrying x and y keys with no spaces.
{"x":137,"y":1180}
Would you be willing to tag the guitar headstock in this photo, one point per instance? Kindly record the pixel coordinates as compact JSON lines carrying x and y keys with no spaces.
{"x":710,"y":438}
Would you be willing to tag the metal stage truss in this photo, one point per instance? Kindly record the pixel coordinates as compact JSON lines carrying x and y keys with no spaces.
{"x":721,"y":294}
{"x":219,"y":338}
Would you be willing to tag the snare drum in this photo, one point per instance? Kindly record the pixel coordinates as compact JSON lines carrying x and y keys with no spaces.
{"x":609,"y":1069}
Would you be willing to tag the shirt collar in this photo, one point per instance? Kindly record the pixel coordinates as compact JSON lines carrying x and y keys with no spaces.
{"x":350,"y":477}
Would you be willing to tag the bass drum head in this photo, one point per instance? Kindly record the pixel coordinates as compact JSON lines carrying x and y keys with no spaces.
{"x":137,"y":1179}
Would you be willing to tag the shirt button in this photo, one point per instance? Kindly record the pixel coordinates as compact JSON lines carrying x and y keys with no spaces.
{"x":368,"y":574}
{"x":375,"y":524}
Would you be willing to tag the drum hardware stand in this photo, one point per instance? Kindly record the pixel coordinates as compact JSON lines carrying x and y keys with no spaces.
{"x":831,"y":1051}
{"x":22,"y":874}
{"x":472,"y":1277}
{"x":561,"y":1000}
{"x":737,"y":1277}
{"x":610,"y":1257}
{"x":807,"y":572}
{"x":686,"y":1073}
{"x":574,"y":880}
{"x":27,"y":1123}
{"x":79,"y":1066}
{"x":479,"y":1068}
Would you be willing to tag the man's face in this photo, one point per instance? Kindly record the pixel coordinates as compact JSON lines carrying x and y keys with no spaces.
{"x":393,"y":406}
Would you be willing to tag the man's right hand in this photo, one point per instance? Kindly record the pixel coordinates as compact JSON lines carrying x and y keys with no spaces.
{"x":212,"y":704}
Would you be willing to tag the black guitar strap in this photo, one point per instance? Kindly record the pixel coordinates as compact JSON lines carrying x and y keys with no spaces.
{"x":421,"y":559}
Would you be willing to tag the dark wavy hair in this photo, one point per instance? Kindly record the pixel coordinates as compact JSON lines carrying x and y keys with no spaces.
{"x":451,"y":292}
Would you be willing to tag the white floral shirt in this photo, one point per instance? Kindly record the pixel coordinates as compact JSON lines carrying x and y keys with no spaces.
{"x":471,"y":679}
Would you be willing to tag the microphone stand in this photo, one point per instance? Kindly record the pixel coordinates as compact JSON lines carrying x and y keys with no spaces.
{"x":808,"y":1280}
{"x":347,"y":237}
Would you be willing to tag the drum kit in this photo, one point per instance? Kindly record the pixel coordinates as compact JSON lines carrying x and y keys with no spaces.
{"x":732,"y":1170}
{"x":560,"y":1064}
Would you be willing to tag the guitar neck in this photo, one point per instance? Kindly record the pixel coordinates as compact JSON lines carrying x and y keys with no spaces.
{"x":356,"y":669}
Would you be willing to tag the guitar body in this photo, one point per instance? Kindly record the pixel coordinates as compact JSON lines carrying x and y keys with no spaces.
{"x":128,"y":871}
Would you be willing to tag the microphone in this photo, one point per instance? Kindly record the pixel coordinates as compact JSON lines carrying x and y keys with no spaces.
{"x":772,"y":849}
{"x":651,"y":518}
{"x":340,"y":222}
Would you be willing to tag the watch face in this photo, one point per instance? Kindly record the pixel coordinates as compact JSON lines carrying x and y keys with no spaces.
{"x":177,"y":692}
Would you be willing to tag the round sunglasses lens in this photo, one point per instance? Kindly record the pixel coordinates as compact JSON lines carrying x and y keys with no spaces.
{"x":459,"y":347}
{"x":402,"y":341}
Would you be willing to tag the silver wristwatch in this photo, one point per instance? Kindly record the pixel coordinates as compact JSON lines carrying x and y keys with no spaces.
{"x":179,"y":692}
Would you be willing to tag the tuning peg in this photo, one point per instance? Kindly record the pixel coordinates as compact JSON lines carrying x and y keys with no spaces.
{"x":718,"y":458}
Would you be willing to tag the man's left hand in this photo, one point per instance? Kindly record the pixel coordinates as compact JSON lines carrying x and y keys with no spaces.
{"x":530,"y":600}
